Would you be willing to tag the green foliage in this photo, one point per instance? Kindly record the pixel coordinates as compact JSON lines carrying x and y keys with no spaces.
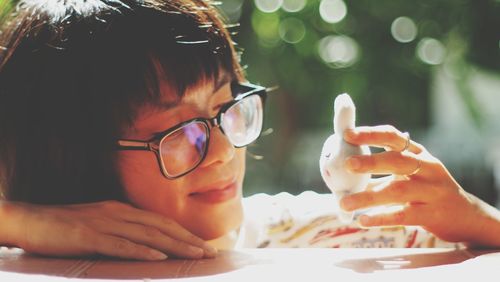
{"x":5,"y":8}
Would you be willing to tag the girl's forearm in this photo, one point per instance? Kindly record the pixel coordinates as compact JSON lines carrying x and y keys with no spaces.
{"x":8,"y":223}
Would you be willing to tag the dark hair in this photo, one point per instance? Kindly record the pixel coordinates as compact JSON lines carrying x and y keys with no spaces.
{"x":72,"y":73}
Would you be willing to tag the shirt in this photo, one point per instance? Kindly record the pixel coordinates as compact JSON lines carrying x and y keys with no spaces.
{"x":310,"y":220}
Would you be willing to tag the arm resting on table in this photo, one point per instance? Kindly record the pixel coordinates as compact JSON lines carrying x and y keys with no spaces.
{"x":9,"y":224}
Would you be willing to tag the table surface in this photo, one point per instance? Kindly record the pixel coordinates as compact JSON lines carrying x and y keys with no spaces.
{"x":265,"y":264}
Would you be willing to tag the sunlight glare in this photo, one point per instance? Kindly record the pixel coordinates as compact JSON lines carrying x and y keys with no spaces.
{"x":431,"y":51}
{"x":404,"y":30}
{"x":332,"y":11}
{"x":268,"y":6}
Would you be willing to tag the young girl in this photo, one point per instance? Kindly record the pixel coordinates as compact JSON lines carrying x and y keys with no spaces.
{"x":123,"y":127}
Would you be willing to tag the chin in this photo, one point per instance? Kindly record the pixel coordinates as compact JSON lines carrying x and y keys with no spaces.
{"x":224,"y":224}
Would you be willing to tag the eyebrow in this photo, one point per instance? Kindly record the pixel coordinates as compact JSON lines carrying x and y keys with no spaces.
{"x":221,"y":81}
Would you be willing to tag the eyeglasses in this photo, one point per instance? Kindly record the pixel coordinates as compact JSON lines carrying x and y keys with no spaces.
{"x":182,"y":148}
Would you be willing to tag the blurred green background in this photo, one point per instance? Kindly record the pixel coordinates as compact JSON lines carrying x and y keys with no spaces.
{"x":430,"y":67}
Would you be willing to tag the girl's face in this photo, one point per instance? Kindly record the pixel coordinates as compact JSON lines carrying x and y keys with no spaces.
{"x":206,"y":201}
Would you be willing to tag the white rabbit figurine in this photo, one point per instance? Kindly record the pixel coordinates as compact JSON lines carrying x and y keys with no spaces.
{"x":335,"y":151}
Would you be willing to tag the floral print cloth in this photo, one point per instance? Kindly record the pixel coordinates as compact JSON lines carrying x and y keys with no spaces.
{"x":310,"y":220}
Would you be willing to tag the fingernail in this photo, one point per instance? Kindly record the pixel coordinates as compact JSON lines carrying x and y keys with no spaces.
{"x":196,"y":252}
{"x":157,"y":255}
{"x":359,"y":224}
{"x":350,"y":133}
{"x":353,"y":163}
{"x":364,"y":220}
{"x":210,"y":251}
{"x":346,"y":203}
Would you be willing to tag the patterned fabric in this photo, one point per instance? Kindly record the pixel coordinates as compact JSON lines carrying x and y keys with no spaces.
{"x":310,"y":220}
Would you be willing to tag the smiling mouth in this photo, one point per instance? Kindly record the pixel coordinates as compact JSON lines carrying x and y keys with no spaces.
{"x":217,"y":195}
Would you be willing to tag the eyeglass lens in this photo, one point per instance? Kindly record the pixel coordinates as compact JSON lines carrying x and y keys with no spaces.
{"x":183,"y":149}
{"x":242,"y":123}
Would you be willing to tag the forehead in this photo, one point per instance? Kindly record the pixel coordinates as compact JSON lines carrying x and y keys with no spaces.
{"x":169,"y":97}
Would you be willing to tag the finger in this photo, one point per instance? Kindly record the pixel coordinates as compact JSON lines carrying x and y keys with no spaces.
{"x":410,"y":215}
{"x":169,"y":227}
{"x":152,"y":237}
{"x":119,"y":247}
{"x":389,"y":162}
{"x":383,"y":136}
{"x":397,"y":192}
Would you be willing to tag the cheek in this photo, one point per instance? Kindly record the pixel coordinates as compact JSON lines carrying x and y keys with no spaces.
{"x":147,"y":189}
{"x":241,"y":160}
{"x":145,"y":186}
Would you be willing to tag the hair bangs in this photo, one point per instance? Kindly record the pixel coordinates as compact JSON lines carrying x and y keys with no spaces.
{"x":168,"y":44}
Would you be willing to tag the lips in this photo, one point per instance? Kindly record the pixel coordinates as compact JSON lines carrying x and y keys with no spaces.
{"x":217,"y":192}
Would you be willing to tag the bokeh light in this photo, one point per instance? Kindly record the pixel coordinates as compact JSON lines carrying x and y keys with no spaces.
{"x":431,"y":51}
{"x":268,"y":6}
{"x":338,"y":51}
{"x":332,"y":11}
{"x":404,"y":30}
{"x":293,"y":6}
{"x":292,"y":30}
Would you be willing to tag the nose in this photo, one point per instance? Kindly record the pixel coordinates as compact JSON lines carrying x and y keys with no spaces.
{"x":220,"y":150}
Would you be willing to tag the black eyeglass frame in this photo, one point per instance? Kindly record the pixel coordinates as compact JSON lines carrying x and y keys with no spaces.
{"x":153,"y":144}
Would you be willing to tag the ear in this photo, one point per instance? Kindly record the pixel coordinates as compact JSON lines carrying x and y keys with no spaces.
{"x":345,"y":113}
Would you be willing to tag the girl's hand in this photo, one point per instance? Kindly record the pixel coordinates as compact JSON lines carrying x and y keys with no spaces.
{"x":422,"y":184}
{"x":109,"y":228}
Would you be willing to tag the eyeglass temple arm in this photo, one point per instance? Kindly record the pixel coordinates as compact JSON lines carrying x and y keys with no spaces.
{"x":133,"y":145}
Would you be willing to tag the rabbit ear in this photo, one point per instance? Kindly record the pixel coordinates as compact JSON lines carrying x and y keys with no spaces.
{"x":345,"y":113}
